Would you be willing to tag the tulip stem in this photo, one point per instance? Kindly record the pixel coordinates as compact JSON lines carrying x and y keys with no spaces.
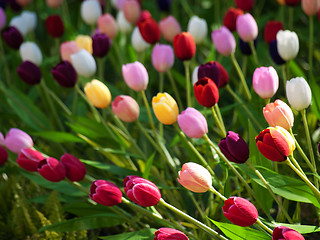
{"x":175,"y":89}
{"x":261,"y":224}
{"x":161,"y":80}
{"x":100,"y":68}
{"x":58,"y":101}
{"x":240,"y":74}
{"x":284,"y":77}
{"x":220,"y":126}
{"x":291,"y":12}
{"x":214,"y":191}
{"x":216,"y":106}
{"x":311,"y":39}
{"x":188,"y":90}
{"x":4,"y":63}
{"x":254,"y":53}
{"x":192,"y":220}
{"x":283,"y":209}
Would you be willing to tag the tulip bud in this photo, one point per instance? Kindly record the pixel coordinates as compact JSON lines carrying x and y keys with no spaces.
{"x":3,"y":19}
{"x":275,"y":143}
{"x":206,"y":92}
{"x":169,"y":233}
{"x":292,"y":2}
{"x":165,"y":108}
{"x":108,"y":25}
{"x":192,"y":123}
{"x":198,"y":28}
{"x":298,"y":93}
{"x":51,"y":169}
{"x":65,"y":74}
{"x":29,"y":159}
{"x":84,"y":42}
{"x":67,"y":49}
{"x":240,"y":211}
{"x":105,"y":193}
{"x":125,"y":108}
{"x":310,"y":7}
{"x":271,"y":29}
{"x":224,"y":41}
{"x":287,"y":44}
{"x":136,"y":76}
{"x":245,"y":5}
{"x":131,"y":10}
{"x":230,"y":18}
{"x":3,"y":156}
{"x":149,"y":30}
{"x":210,"y":70}
{"x":19,"y":23}
{"x":247,"y":27}
{"x":234,"y":148}
{"x":169,"y":28}
{"x":162,"y":57}
{"x":29,"y":51}
{"x":84,"y":63}
{"x":54,"y":26}
{"x":16,"y":140}
{"x":184,"y":46}
{"x":164,"y":5}
{"x":265,"y":82}
{"x":29,"y":73}
{"x":90,"y":11}
{"x":285,"y":233}
{"x":14,"y":5}
{"x":137,"y":41}
{"x":224,"y":76}
{"x":75,"y":170}
{"x":23,"y":3}
{"x":100,"y":45}
{"x":30,"y":20}
{"x":123,"y":24}
{"x":245,"y":47}
{"x":141,"y":191}
{"x":195,"y":178}
{"x":195,"y":75}
{"x":273,"y":50}
{"x":12,"y":37}
{"x":54,"y":3}
{"x":98,"y":93}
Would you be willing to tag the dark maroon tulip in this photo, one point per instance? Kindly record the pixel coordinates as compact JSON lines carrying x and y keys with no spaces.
{"x":100,"y":45}
{"x":210,"y":70}
{"x":292,"y":2}
{"x":14,"y":5}
{"x":149,"y":30}
{"x":224,"y":76}
{"x":65,"y":74}
{"x":141,"y":191}
{"x":29,"y":73}
{"x":234,"y":148}
{"x":164,"y":5}
{"x":29,"y":159}
{"x":105,"y":193}
{"x":273,"y":50}
{"x":271,"y":29}
{"x":245,"y":5}
{"x":245,"y":47}
{"x":285,"y":233}
{"x":12,"y":37}
{"x":230,"y":18}
{"x":169,"y":234}
{"x":75,"y":170}
{"x":3,"y":155}
{"x":54,"y":26}
{"x":206,"y":92}
{"x":51,"y":169}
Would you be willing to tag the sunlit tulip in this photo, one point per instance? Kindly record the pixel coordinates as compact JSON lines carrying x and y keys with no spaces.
{"x":108,"y":25}
{"x":298,"y":93}
{"x":224,"y":41}
{"x":90,"y":11}
{"x":131,"y":10}
{"x":287,"y":44}
{"x":198,"y":28}
{"x":169,"y":233}
{"x":67,"y":49}
{"x":206,"y":92}
{"x":84,"y":42}
{"x":84,"y":63}
{"x":98,"y":93}
{"x":169,"y":28}
{"x":137,"y":41}
{"x":105,"y":193}
{"x":265,"y":82}
{"x":165,"y":108}
{"x":136,"y":76}
{"x":126,"y":108}
{"x":29,"y":51}
{"x":285,"y":233}
{"x":75,"y":169}
{"x":29,"y":159}
{"x":149,"y":30}
{"x":162,"y":57}
{"x":184,"y":46}
{"x":247,"y":27}
{"x":123,"y":24}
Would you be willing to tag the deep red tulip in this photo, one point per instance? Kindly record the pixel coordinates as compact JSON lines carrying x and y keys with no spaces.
{"x":3,"y":155}
{"x":292,"y":2}
{"x":169,"y":234}
{"x":12,"y":37}
{"x":184,"y":46}
{"x":230,"y":18}
{"x":65,"y":74}
{"x":51,"y":169}
{"x":105,"y":193}
{"x":75,"y":170}
{"x":206,"y":92}
{"x":285,"y":233}
{"x":224,"y":76}
{"x":149,"y":30}
{"x":29,"y":159}
{"x":210,"y":70}
{"x":100,"y":45}
{"x":271,"y":29}
{"x":245,"y":5}
{"x":29,"y":73}
{"x":54,"y":26}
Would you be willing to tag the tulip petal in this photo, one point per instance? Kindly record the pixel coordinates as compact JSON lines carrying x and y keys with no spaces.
{"x":281,"y":142}
{"x":270,"y":152}
{"x":146,"y":195}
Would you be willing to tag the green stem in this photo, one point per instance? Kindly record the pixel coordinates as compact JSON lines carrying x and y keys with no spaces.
{"x":216,"y":106}
{"x":291,"y":12}
{"x":187,"y":8}
{"x":58,"y":101}
{"x":214,"y":191}
{"x":254,"y":53}
{"x":4,"y":63}
{"x":175,"y":89}
{"x":161,"y":82}
{"x":267,"y":101}
{"x":244,"y":65}
{"x":75,"y":101}
{"x":100,"y":68}
{"x":284,"y":77}
{"x":188,"y":90}
{"x":220,"y":126}
{"x":240,"y":74}
{"x":264,"y":226}
{"x":311,"y":40}
{"x":196,"y":204}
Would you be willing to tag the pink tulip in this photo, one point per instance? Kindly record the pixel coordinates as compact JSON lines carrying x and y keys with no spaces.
{"x":3,"y":18}
{"x":29,"y":159}
{"x":162,"y":57}
{"x":247,"y":27}
{"x":1,"y":139}
{"x":67,"y":49}
{"x":224,"y":41}
{"x":54,"y":3}
{"x":265,"y":82}
{"x":108,"y":25}
{"x":75,"y":169}
{"x":310,"y":7}
{"x":51,"y":169}
{"x":169,"y":28}
{"x":125,"y":108}
{"x":136,"y":76}
{"x":17,"y":139}
{"x":131,"y":10}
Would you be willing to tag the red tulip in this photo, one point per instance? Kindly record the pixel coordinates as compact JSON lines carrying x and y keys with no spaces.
{"x":184,"y":46}
{"x":169,"y":234}
{"x":149,"y":29}
{"x":54,"y":26}
{"x":3,"y":155}
{"x":29,"y":159}
{"x":206,"y":92}
{"x":51,"y":169}
{"x":271,"y":29}
{"x":224,"y":76}
{"x":230,"y":18}
{"x":75,"y":170}
{"x":292,"y":2}
{"x":105,"y":193}
{"x":285,"y":233}
{"x":245,"y":5}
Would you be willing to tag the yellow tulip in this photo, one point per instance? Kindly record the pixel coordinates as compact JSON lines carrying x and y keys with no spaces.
{"x":98,"y":94}
{"x":282,"y":2}
{"x":85,"y":42}
{"x":165,"y":108}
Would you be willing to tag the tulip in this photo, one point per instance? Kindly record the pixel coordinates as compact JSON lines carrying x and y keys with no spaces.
{"x":98,"y":93}
{"x":287,"y":44}
{"x":67,"y":49}
{"x":210,"y":70}
{"x":149,"y":30}
{"x":90,"y":11}
{"x":105,"y":193}
{"x":12,"y":37}
{"x":281,"y":2}
{"x":131,"y":10}
{"x":195,"y":75}
{"x":271,"y":29}
{"x":192,"y":123}
{"x":54,"y":3}
{"x":51,"y":169}
{"x":245,"y":47}
{"x":16,"y":140}
{"x":108,"y":25}
{"x":198,"y":28}
{"x":165,"y":108}
{"x":162,"y":57}
{"x":285,"y":233}
{"x":23,"y":3}
{"x":136,"y":76}
{"x":65,"y":74}
{"x":3,"y":156}
{"x":273,"y":50}
{"x":29,"y":159}
{"x":14,"y":5}
{"x":164,"y":5}
{"x":265,"y":82}
{"x":1,"y":139}
{"x":100,"y":45}
{"x":137,"y":41}
{"x":54,"y":26}
{"x":125,"y":108}
{"x":275,"y":143}
{"x":19,"y":23}
{"x":310,"y":7}
{"x":195,"y":178}
{"x":292,"y":2}
{"x":240,"y":211}
{"x":224,"y":41}
{"x":298,"y":93}
{"x":3,"y":19}
{"x":230,"y":18}
{"x":184,"y":46}
{"x":29,"y":73}
{"x":169,"y":28}
{"x":169,"y":234}
{"x":141,"y":191}
{"x":83,"y":63}
{"x":245,"y":5}
{"x":247,"y":27}
{"x":75,"y":170}
{"x":224,"y":76}
{"x":29,"y":51}
{"x":30,"y":20}
{"x":206,"y":92}
{"x":84,"y":42}
{"x":234,"y":148}
{"x":123,"y":24}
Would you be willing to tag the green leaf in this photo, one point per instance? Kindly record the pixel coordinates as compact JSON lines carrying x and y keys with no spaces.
{"x":303,"y":229}
{"x":147,"y":169}
{"x":315,"y":89}
{"x":296,"y":70}
{"x":235,"y":232}
{"x":146,"y":234}
{"x":120,"y":152}
{"x":85,"y":223}
{"x":58,"y":137}
{"x":82,"y":209}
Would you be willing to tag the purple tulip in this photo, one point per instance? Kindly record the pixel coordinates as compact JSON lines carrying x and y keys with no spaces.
{"x":3,"y":18}
{"x":75,"y":170}
{"x":162,"y":57}
{"x":224,"y":41}
{"x":210,"y":70}
{"x":29,"y":73}
{"x":65,"y":74}
{"x":17,"y":139}
{"x":12,"y":37}
{"x":136,"y":76}
{"x":51,"y":169}
{"x":29,"y":159}
{"x":100,"y":45}
{"x":247,"y":27}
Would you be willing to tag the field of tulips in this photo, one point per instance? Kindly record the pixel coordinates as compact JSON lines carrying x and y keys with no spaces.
{"x":159,"y":119}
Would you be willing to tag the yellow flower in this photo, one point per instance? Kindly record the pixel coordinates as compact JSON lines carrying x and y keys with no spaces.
{"x":98,"y":94}
{"x":84,"y":42}
{"x":165,"y":108}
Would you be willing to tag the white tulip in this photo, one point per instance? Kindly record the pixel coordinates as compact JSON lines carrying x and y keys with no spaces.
{"x":198,"y":28}
{"x":90,"y":11}
{"x":138,"y":43}
{"x":29,"y":51}
{"x":122,"y":22}
{"x":19,"y":23}
{"x":84,"y":63}
{"x":30,"y":19}
{"x":195,"y":75}
{"x":287,"y":44}
{"x":298,"y":93}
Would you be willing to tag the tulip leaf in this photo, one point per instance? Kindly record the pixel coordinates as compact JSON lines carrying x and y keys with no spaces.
{"x":84,"y":223}
{"x":138,"y":235}
{"x":296,"y":70}
{"x":315,"y":89}
{"x":58,"y":137}
{"x":82,"y":209}
{"x":148,"y":166}
{"x":235,"y":232}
